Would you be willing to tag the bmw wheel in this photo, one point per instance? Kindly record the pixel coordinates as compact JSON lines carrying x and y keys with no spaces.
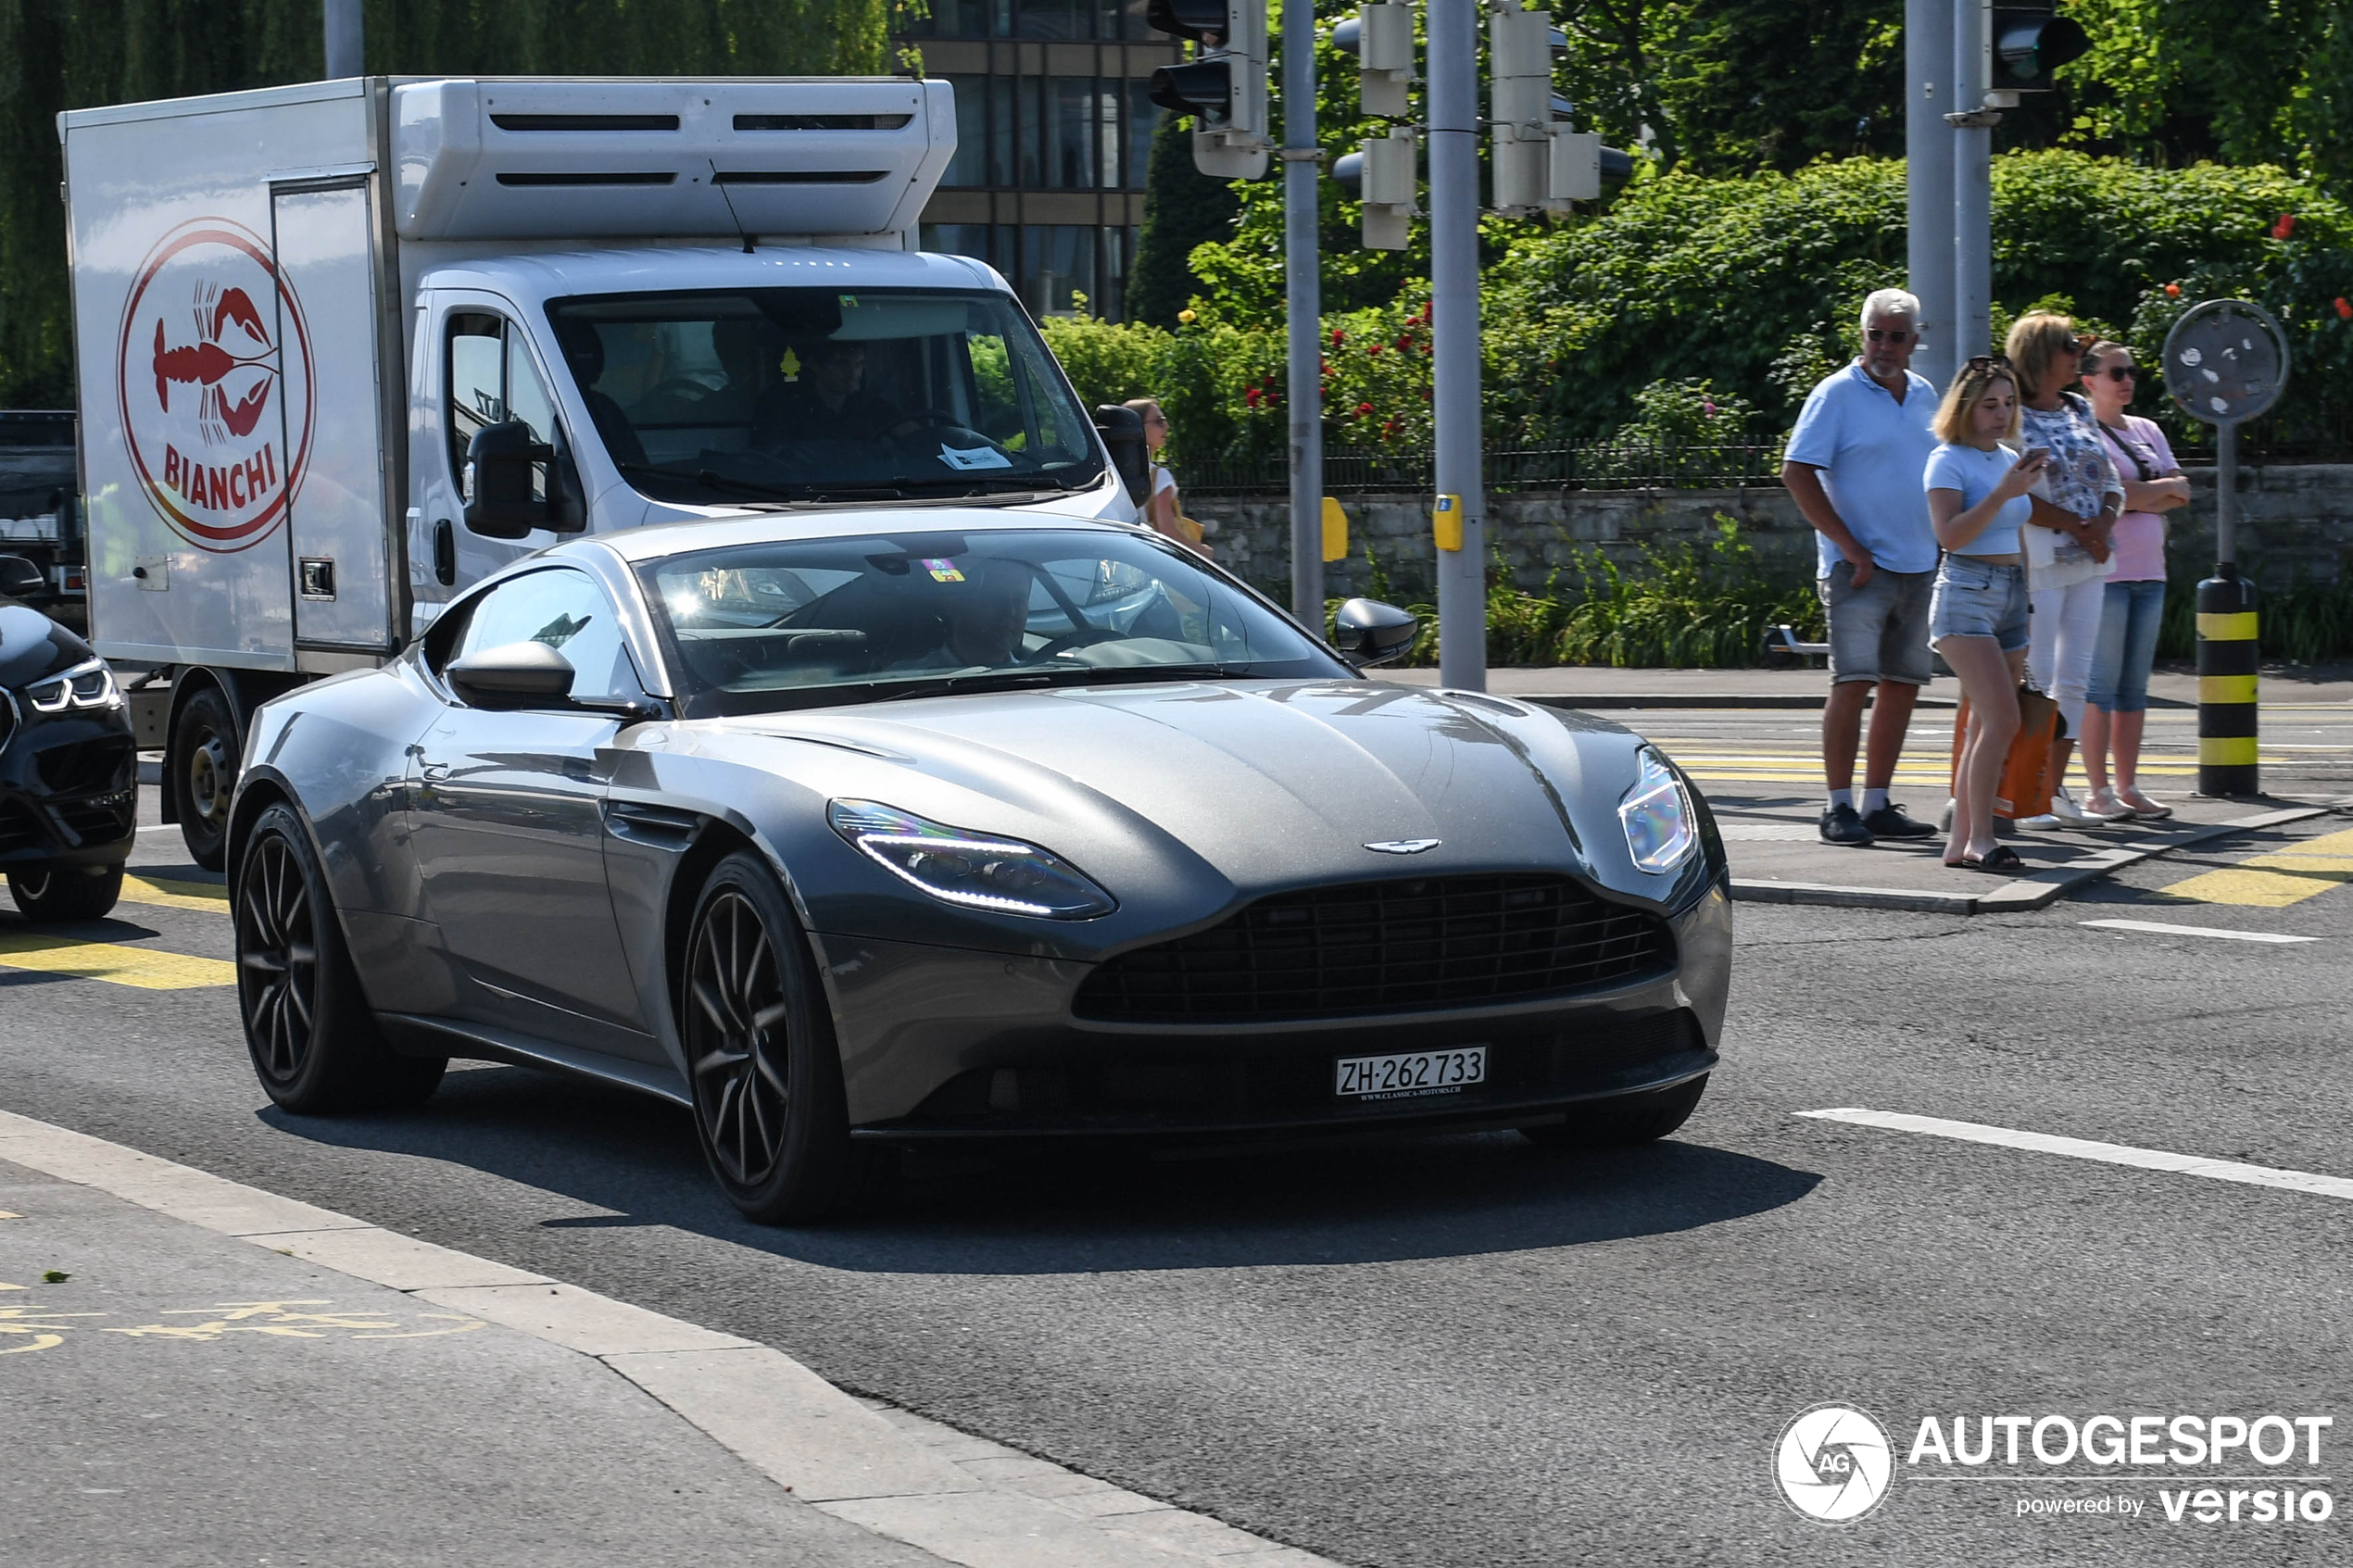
{"x":766,"y":1072}
{"x":45,"y":894}
{"x":315,"y":1044}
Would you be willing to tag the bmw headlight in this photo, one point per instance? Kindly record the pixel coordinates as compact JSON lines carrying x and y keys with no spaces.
{"x":87,"y":684}
{"x":1661,"y":828}
{"x":980,"y":871}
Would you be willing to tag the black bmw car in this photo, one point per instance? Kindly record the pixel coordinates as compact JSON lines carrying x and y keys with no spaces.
{"x":68,"y":772}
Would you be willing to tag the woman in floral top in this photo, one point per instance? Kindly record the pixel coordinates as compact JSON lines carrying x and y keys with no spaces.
{"x":2085,"y":497}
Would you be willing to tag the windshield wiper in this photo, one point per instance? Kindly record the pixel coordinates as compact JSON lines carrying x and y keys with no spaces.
{"x":717,"y":480}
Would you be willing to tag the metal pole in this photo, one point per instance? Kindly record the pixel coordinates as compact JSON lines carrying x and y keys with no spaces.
{"x":2229,"y":652}
{"x":346,"y":35}
{"x":1454,"y":275}
{"x":1928,"y":183}
{"x":1972,"y":187}
{"x":1303,"y":290}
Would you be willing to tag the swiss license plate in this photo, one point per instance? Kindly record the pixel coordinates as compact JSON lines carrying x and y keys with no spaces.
{"x":1409,"y":1073}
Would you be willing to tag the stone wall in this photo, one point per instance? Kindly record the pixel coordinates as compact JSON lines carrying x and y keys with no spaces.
{"x":2294,"y":519}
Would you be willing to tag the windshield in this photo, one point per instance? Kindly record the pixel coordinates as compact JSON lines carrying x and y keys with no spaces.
{"x":717,"y":397}
{"x":757,"y":628}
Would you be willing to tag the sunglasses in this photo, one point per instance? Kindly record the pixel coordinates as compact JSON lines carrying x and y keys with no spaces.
{"x":1888,"y":334}
{"x":2119,"y":372}
{"x":1981,"y":363}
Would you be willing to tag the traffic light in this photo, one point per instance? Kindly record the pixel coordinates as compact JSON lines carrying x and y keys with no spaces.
{"x":1382,"y":177}
{"x":1223,"y":87}
{"x":1540,"y":164}
{"x":2024,"y":45}
{"x":1382,"y":37}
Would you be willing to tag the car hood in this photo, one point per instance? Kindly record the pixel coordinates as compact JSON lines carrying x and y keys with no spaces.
{"x":32,"y":645}
{"x":1270,"y":783}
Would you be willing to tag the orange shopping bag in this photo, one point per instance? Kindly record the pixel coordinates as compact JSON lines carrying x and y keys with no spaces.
{"x":2022,"y":790}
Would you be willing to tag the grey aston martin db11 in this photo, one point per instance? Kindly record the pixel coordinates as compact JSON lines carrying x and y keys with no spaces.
{"x":853,"y":831}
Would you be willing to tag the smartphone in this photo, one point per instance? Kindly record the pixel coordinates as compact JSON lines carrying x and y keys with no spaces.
{"x":2037,"y":454}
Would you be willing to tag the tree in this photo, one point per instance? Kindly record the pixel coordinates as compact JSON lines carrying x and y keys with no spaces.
{"x":1183,"y":209}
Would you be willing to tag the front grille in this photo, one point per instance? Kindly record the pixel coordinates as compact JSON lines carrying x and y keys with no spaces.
{"x":1383,"y":947}
{"x":17,"y":830}
{"x":81,"y":766}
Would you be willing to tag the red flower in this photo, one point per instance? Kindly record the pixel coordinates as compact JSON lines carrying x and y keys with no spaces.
{"x":2284,"y":227}
{"x":1362,"y":408}
{"x":1252,"y":397}
{"x":1339,"y":337}
{"x":1426,"y":394}
{"x":2344,"y":311}
{"x":2173,"y":291}
{"x":1405,"y":343}
{"x":1325,"y":366}
{"x":1372,"y":348}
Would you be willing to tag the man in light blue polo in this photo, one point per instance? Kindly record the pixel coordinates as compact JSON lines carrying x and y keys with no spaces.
{"x":1853,"y":467}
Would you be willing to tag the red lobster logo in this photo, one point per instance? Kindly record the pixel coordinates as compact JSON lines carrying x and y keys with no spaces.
{"x":206,"y":364}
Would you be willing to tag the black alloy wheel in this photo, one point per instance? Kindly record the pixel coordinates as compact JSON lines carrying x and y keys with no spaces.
{"x":765,"y":1070}
{"x":315,"y":1044}
{"x":204,"y":775}
{"x":46,"y":893}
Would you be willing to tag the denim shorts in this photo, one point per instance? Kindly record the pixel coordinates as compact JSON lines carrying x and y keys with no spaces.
{"x":1880,"y":630}
{"x":1978,"y":598}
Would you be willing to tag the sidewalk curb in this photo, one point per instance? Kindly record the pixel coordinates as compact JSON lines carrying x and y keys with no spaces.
{"x":963,"y":1500}
{"x":2017,"y":895}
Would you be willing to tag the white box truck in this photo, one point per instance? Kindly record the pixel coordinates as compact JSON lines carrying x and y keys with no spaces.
{"x":346,"y":346}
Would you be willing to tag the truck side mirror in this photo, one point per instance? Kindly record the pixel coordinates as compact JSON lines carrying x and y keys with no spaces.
{"x":1123,"y":433}
{"x":499,"y":501}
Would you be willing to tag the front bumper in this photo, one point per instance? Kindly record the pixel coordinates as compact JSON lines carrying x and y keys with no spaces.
{"x":68,"y":790}
{"x":950,"y":1044}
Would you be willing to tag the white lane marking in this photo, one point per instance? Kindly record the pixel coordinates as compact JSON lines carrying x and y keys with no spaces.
{"x":2164,"y":930}
{"x":2106,"y":1153}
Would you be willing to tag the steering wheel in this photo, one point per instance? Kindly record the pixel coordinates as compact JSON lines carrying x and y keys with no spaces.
{"x":1085,"y":638}
{"x":940,"y":419}
{"x":678,"y":386}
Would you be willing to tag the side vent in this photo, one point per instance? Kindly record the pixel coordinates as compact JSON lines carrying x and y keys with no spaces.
{"x":796,"y":177}
{"x":615,"y":177}
{"x":584,"y":121}
{"x":821,"y":121}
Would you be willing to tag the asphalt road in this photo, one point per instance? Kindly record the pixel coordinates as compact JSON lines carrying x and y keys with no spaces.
{"x":1468,"y":1351}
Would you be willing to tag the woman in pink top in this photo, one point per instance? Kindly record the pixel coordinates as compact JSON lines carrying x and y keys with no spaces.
{"x":2117,"y":699}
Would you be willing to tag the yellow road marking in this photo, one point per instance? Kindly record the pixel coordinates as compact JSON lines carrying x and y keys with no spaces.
{"x":2275,"y":880}
{"x":174,"y":895}
{"x":149,"y":969}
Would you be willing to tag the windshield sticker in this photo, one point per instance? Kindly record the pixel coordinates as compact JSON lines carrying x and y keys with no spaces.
{"x":790,"y":365}
{"x":966,"y":461}
{"x":943,"y":571}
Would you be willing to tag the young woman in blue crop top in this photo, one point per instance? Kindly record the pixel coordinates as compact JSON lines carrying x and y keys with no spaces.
{"x":1977,"y":500}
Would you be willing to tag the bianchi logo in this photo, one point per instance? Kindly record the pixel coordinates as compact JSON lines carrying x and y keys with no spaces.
{"x":1833,"y":1464}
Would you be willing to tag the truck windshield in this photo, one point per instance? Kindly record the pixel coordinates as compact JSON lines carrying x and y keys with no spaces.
{"x":762,"y":626}
{"x":722,"y":396}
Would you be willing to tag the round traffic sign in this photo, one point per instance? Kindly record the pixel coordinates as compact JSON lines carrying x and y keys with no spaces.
{"x":2225,"y":361}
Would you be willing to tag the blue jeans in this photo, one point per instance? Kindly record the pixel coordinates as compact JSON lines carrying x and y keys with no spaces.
{"x":2120,"y":660}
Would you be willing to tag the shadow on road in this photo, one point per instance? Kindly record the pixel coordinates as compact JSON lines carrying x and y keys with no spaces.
{"x":1055,"y":1210}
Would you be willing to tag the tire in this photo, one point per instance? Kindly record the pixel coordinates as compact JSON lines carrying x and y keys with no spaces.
{"x":65,"y":893}
{"x":761,"y":1057}
{"x":315,"y":1045}
{"x":1632,"y":1119}
{"x":201,"y":773}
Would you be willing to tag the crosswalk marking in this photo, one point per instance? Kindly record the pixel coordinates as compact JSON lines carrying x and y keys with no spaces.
{"x":149,"y":969}
{"x":2274,"y":880}
{"x":172,"y":894}
{"x":2161,"y":929}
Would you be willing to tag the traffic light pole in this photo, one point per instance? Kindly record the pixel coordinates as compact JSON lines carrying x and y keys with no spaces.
{"x":1452,"y":28}
{"x":1303,"y":291}
{"x":1928,"y":181}
{"x":1972,"y":187}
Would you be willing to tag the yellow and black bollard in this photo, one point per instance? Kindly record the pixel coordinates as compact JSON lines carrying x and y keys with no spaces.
{"x":2227,"y":662}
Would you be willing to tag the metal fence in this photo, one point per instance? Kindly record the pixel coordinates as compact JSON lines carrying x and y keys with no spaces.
{"x":1598,"y":465}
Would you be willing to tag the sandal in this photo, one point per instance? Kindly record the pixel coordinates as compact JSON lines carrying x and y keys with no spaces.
{"x":2143,"y":806}
{"x":2001,"y":858}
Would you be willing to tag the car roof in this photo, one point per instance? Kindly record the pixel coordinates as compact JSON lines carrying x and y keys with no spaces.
{"x":536,"y":277}
{"x":656,"y":540}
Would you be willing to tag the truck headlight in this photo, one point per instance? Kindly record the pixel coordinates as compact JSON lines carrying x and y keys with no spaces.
{"x":980,"y":871}
{"x":87,"y":684}
{"x":1661,"y":829}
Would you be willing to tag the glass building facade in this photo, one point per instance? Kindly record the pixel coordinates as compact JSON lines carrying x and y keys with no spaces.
{"x":1052,"y":134}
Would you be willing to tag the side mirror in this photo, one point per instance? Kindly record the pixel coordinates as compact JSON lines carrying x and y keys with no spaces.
{"x":499,"y":480}
{"x":513,"y":676}
{"x":1123,"y":433}
{"x":1372,"y":632}
{"x":21,"y":578}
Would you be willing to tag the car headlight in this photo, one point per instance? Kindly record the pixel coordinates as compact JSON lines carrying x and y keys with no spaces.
{"x":87,"y":684}
{"x":1661,"y":828}
{"x":980,"y":871}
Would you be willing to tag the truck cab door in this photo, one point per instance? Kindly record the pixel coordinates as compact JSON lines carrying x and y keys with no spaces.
{"x":344,"y":555}
{"x":475,"y":367}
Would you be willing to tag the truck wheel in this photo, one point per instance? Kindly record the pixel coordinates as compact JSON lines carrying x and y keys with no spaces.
{"x":315,"y":1043}
{"x":65,"y":893}
{"x":1634,"y":1119}
{"x":202,"y":770}
{"x":766,"y":1072}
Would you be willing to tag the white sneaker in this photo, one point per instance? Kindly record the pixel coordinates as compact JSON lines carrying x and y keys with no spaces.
{"x":2108,"y":807}
{"x":2065,"y":812}
{"x":2042,"y":823}
{"x":1944,"y":820}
